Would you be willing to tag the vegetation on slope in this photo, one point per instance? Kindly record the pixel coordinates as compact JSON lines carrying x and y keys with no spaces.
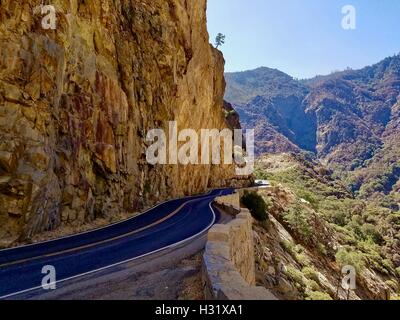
{"x":329,"y":228}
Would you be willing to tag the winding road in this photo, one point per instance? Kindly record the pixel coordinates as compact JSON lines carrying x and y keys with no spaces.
{"x":165,"y":226}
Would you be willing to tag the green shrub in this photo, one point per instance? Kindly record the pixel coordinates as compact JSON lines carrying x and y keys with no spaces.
{"x":339,"y":218}
{"x":388,"y":265}
{"x":299,"y":248}
{"x":321,"y":249}
{"x":370,"y":232}
{"x":310,"y":273}
{"x":316,"y":295}
{"x":394,"y":218}
{"x":312,"y":285}
{"x":287,"y":246}
{"x":309,"y":197}
{"x":256,"y":204}
{"x":356,"y":226}
{"x":393,"y":284}
{"x":302,"y":259}
{"x":296,"y":276}
{"x":298,"y":221}
{"x":350,"y":258}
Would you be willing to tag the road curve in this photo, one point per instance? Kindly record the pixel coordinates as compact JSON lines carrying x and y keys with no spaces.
{"x":168,"y":224}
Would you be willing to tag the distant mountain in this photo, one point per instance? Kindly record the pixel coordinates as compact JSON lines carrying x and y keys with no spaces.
{"x":350,"y":120}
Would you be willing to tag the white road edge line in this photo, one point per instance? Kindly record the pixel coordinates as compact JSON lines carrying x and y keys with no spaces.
{"x":126,"y":261}
{"x":101,"y":228}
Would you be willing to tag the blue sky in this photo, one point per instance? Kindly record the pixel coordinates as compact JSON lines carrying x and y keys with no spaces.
{"x":304,"y":37}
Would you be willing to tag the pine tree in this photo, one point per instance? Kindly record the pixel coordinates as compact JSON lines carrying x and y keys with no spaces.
{"x":219,"y":40}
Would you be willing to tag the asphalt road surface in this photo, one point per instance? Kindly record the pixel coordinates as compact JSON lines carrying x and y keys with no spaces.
{"x":161,"y":228}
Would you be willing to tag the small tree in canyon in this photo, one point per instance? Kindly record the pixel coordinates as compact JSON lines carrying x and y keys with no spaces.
{"x":219,"y":40}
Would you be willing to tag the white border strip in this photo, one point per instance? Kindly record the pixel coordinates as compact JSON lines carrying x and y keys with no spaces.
{"x":126,"y":261}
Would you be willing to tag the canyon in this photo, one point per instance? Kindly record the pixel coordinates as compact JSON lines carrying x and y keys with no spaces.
{"x":76,"y":103}
{"x":329,"y":148}
{"x":348,"y":120}
{"x":81,"y":103}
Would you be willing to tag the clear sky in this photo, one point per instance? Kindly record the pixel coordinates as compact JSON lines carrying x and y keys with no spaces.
{"x":304,"y":37}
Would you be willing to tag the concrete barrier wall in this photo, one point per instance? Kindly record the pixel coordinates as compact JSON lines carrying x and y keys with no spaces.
{"x":230,"y":200}
{"x":228,"y":263}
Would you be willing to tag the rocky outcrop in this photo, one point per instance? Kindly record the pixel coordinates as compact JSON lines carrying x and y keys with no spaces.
{"x":231,"y":116}
{"x":76,"y":104}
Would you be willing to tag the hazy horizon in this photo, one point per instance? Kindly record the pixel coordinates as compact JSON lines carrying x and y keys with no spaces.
{"x":317,"y":75}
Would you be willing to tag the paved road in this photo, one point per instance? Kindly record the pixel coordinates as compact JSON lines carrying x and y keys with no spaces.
{"x":164,"y":226}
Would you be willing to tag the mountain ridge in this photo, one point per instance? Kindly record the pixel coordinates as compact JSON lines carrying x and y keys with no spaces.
{"x":349,"y":119}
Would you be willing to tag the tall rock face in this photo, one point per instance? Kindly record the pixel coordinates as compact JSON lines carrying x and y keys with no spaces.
{"x":77,"y":102}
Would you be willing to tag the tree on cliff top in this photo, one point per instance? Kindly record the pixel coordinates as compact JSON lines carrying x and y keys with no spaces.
{"x":219,"y":40}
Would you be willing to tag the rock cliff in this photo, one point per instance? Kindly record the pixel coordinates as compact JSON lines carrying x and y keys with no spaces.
{"x":77,"y":102}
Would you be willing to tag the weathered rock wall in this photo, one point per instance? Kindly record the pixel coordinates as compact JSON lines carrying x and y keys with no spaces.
{"x":76,"y":104}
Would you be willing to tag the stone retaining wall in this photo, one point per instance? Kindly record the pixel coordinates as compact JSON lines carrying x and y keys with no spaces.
{"x":228,"y":262}
{"x":230,"y":204}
